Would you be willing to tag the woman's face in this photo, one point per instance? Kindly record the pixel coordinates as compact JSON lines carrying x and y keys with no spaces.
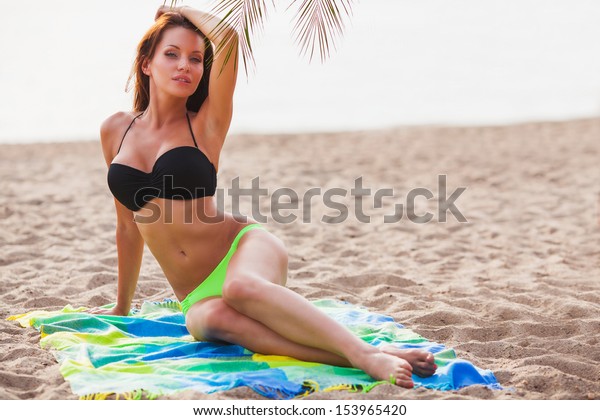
{"x":178,"y":62}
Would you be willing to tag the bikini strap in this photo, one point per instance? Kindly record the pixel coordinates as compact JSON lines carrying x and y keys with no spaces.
{"x":130,"y":124}
{"x":192,"y":133}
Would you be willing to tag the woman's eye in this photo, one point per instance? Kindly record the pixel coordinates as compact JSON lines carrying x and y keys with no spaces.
{"x":171,"y":54}
{"x":197,"y":60}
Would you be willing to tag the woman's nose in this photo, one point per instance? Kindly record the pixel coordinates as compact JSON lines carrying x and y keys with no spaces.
{"x":184,"y":64}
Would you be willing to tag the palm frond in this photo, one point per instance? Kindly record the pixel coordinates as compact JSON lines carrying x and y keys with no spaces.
{"x":246,"y":17}
{"x":173,"y":3}
{"x":318,"y":24}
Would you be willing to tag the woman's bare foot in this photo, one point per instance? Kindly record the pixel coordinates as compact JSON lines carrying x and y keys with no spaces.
{"x":422,"y":362}
{"x":385,"y":367}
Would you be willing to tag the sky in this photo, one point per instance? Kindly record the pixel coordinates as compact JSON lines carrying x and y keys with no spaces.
{"x":399,"y":62}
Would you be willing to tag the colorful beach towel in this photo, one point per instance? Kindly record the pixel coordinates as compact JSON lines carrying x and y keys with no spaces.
{"x":150,"y":353}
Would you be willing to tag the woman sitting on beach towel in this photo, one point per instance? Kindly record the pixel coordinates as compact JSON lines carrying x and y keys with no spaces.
{"x":228,"y":273}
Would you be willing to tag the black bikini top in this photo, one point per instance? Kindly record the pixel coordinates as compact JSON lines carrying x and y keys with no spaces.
{"x":182,"y":173}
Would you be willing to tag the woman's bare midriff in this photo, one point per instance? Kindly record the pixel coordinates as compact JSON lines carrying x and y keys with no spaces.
{"x":188,"y":238}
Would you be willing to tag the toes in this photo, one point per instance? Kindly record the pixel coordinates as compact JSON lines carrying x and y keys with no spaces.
{"x":419,"y":362}
{"x":415,"y":355}
{"x":427,"y":362}
{"x":425,"y":373}
{"x":426,"y":357}
{"x":404,"y":382}
{"x":426,"y":365}
{"x":424,"y":369}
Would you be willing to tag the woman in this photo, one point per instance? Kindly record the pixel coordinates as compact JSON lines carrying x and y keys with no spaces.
{"x":229,"y":274}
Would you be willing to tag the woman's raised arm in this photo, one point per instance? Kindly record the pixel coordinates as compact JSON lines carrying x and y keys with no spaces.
{"x":223,"y":75}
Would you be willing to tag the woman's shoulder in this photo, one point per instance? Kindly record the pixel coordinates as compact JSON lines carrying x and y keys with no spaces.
{"x":110,"y":130}
{"x":116,"y":121}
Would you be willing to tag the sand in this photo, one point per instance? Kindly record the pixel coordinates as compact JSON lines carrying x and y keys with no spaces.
{"x":515,"y":289}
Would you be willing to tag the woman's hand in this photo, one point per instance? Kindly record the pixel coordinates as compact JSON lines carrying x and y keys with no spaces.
{"x":166,"y":9}
{"x":108,"y":311}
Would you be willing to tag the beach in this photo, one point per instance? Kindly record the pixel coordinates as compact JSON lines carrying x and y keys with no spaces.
{"x":514,"y":287}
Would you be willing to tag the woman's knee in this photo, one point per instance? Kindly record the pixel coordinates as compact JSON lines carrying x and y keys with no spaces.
{"x":209,"y":320}
{"x":243,"y":288}
{"x":252,"y":284}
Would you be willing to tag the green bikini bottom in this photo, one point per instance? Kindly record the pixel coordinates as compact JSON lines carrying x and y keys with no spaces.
{"x":213,"y":284}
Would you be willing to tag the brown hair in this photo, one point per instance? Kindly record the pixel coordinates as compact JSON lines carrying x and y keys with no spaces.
{"x":147,"y":48}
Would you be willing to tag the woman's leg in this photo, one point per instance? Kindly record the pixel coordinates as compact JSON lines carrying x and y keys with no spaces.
{"x":213,"y":320}
{"x":253,"y":287}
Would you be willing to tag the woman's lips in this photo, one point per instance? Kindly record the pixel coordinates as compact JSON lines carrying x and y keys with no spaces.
{"x":182,"y":79}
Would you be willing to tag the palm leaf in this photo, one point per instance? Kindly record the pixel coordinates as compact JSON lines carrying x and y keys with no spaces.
{"x":245,"y":16}
{"x":173,"y":3}
{"x":318,"y":23}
